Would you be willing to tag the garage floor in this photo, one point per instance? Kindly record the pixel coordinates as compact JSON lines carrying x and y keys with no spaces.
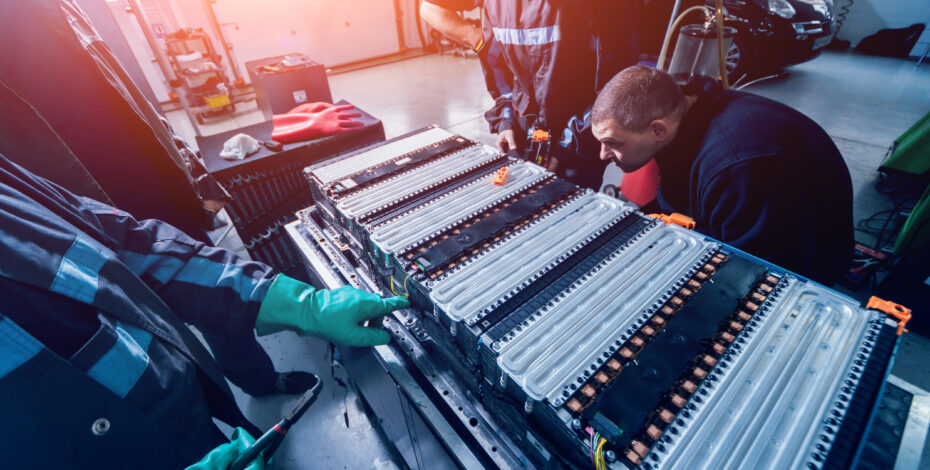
{"x":864,"y":103}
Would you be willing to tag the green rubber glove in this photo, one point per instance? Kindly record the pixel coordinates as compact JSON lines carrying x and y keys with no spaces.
{"x":224,"y":455}
{"x":334,"y":315}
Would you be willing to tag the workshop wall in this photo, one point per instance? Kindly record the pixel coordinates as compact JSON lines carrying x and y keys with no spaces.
{"x":866,"y":17}
{"x":332,"y":32}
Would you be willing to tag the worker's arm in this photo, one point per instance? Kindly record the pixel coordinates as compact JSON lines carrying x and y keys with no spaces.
{"x":450,"y":24}
{"x":499,"y":82}
{"x":219,"y":292}
{"x":211,"y":288}
{"x":224,"y":455}
{"x":441,"y":15}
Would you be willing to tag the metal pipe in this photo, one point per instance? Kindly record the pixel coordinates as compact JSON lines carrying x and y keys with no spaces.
{"x":671,"y":19}
{"x":399,"y":22}
{"x":671,"y":30}
{"x":152,"y":42}
{"x":218,"y":30}
{"x":720,"y":53}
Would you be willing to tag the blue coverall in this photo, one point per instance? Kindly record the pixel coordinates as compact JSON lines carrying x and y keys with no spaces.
{"x":97,"y":366}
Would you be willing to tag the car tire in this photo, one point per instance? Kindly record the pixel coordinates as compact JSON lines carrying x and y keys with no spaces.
{"x":740,"y":57}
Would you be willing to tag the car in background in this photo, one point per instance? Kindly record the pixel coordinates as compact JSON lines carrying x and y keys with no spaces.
{"x":771,"y":34}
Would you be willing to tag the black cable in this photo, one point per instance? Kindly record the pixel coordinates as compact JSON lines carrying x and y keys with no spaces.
{"x":897,"y":209}
{"x":839,"y":16}
{"x":345,"y":389}
{"x":885,"y":185}
{"x":867,"y":225}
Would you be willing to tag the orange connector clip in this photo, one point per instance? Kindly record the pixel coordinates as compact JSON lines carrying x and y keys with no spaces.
{"x":540,"y":135}
{"x":901,"y":313}
{"x":675,"y":218}
{"x":501,"y":176}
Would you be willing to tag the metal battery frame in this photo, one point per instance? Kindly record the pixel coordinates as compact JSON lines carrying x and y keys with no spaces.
{"x":458,"y":421}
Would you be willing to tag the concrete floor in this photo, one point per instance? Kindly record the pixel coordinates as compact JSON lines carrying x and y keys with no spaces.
{"x":864,"y":103}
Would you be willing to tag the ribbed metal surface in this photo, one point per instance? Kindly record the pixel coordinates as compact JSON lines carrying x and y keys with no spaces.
{"x":386,"y":192}
{"x":783,"y":383}
{"x":258,"y":193}
{"x":453,"y":207}
{"x":566,"y":338}
{"x":491,"y":275}
{"x":570,"y":314}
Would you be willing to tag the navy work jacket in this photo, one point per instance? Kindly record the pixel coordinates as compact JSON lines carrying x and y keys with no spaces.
{"x":762,"y":177}
{"x":97,"y":366}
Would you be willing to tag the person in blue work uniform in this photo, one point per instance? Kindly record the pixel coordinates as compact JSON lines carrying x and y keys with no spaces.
{"x":751,"y":172}
{"x":443,"y":15}
{"x":109,"y":143}
{"x":556,"y":55}
{"x":97,"y":365}
{"x":72,"y":114}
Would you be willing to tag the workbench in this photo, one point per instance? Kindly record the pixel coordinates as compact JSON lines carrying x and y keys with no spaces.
{"x":267,"y":187}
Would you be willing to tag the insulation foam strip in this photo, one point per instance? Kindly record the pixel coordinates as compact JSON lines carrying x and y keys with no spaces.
{"x":499,"y":223}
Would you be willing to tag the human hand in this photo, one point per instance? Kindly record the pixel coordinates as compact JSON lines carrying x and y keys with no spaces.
{"x":506,"y":141}
{"x":214,"y":205}
{"x":334,"y":315}
{"x":224,"y":455}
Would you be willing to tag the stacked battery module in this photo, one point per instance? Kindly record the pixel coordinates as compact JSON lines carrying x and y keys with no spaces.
{"x":574,"y":316}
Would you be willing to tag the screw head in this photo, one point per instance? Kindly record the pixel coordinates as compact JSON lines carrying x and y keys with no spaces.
{"x":100,"y":426}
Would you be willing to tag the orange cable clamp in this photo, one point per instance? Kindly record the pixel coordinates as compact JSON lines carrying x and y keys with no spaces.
{"x":898,"y":311}
{"x":675,"y":218}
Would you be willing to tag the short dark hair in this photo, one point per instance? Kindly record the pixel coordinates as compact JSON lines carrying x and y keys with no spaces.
{"x":638,"y":95}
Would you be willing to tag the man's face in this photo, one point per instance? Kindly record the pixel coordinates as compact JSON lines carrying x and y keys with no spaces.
{"x":628,"y":150}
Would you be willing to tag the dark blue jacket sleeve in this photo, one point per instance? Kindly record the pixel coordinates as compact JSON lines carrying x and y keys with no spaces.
{"x":210,"y":288}
{"x":499,"y":81}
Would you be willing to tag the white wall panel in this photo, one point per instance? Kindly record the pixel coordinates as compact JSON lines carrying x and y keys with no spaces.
{"x":333,"y":32}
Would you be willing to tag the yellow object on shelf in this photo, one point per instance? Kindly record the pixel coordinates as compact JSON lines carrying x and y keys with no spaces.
{"x":217,"y":101}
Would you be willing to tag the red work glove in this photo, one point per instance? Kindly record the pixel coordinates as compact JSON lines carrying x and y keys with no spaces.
{"x":294,"y":127}
{"x":311,"y":108}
